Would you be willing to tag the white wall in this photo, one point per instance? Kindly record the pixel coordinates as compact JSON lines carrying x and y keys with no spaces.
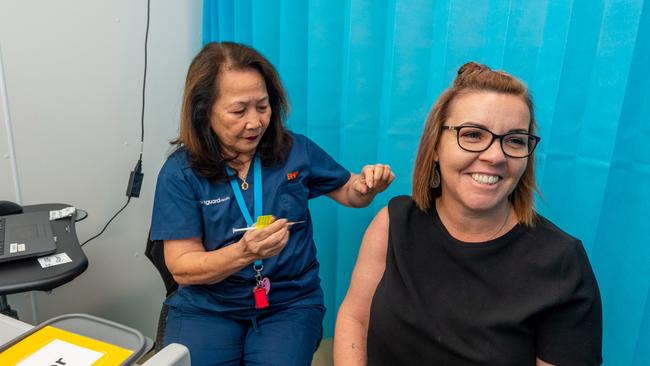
{"x":73,"y":71}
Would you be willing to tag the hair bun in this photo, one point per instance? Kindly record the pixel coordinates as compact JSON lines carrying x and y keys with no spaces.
{"x":470,"y":73}
{"x":472,"y":67}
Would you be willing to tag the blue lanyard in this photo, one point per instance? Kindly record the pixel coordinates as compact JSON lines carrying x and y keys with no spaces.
{"x":257,"y":195}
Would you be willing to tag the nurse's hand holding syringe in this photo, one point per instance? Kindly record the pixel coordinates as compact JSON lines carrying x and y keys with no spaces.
{"x":267,"y":241}
{"x":290,"y":223}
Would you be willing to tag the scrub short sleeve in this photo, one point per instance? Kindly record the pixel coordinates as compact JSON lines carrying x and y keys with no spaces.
{"x":571,"y":332}
{"x":326,"y":174}
{"x":176,"y":210}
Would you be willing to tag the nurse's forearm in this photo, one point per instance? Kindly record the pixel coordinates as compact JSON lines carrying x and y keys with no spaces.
{"x":358,"y":199}
{"x":205,"y":268}
{"x":348,"y":196}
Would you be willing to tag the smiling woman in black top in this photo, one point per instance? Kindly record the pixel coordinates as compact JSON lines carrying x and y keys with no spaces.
{"x":465,"y":272}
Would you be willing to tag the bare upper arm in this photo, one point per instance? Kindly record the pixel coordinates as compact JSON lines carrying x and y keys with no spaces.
{"x":369,"y":268}
{"x":175,"y":249}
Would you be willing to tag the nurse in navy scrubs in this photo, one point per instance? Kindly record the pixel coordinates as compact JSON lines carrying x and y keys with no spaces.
{"x":246,"y":297}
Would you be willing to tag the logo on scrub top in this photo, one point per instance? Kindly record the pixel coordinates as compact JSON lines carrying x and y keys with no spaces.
{"x":292,"y":175}
{"x":215,"y":201}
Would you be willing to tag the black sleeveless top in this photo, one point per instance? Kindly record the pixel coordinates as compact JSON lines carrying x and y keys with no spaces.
{"x":529,"y":293}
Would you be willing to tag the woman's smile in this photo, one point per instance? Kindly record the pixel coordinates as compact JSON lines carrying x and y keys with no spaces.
{"x":485,"y":178}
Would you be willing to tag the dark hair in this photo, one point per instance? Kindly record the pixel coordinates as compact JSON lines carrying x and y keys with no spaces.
{"x":204,"y":149}
{"x":473,"y":77}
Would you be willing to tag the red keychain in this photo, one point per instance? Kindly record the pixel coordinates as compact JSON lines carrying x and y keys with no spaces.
{"x":261,"y":291}
{"x":261,"y":301}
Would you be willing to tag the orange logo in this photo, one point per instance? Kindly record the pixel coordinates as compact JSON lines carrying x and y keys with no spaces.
{"x":292,"y":175}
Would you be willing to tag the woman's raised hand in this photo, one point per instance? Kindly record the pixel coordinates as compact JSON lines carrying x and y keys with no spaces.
{"x":373,"y":179}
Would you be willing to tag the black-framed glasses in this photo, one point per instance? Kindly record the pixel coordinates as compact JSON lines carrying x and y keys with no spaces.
{"x":478,"y":139}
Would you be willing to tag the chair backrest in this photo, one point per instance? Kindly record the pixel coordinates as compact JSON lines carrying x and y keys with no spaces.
{"x":156,"y":255}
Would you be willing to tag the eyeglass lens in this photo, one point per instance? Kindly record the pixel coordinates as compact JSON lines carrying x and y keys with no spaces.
{"x":478,"y":139}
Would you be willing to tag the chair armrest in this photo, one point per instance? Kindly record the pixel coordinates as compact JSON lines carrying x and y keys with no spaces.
{"x":173,"y":355}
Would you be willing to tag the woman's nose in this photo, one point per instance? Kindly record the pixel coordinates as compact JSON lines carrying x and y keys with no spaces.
{"x":494,"y":152}
{"x":254,"y":121}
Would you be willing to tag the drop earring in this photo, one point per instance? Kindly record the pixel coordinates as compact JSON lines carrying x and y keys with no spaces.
{"x":435,"y":179}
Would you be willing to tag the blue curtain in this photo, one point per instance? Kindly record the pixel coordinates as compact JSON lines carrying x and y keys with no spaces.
{"x":362,"y":75}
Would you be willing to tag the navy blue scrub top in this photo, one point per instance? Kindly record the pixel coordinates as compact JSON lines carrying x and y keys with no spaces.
{"x":187,"y":206}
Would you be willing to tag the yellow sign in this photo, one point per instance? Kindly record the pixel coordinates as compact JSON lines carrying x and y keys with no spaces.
{"x":54,"y":346}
